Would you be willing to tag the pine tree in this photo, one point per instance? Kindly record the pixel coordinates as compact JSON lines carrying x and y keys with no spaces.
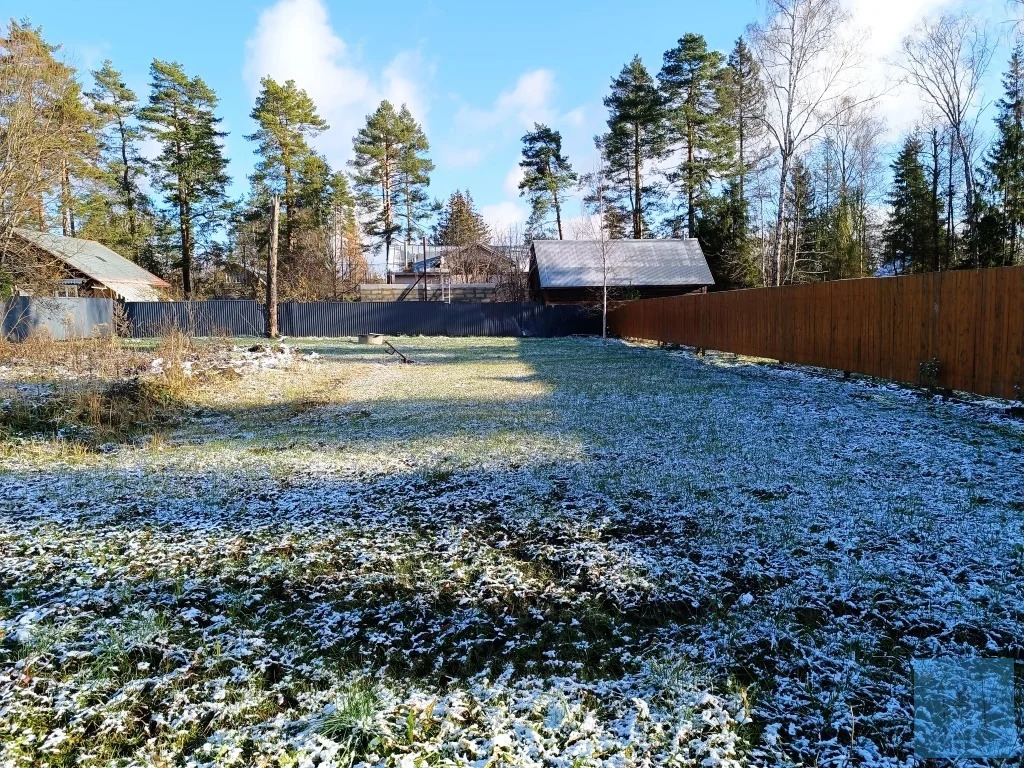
{"x":636,"y":135}
{"x":414,"y":169}
{"x":191,"y":168}
{"x":37,"y":88}
{"x":287,"y":119}
{"x":908,"y":233}
{"x":547,"y":178}
{"x":118,"y":214}
{"x":747,"y":98}
{"x":1006,"y":160}
{"x":376,"y":177}
{"x":79,"y":155}
{"x":694,"y":84}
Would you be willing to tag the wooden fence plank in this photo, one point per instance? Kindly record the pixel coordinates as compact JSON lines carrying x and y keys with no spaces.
{"x":971,"y":321}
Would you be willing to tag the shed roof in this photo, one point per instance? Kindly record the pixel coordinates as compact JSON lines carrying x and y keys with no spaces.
{"x":124,"y":277}
{"x":578,"y":263}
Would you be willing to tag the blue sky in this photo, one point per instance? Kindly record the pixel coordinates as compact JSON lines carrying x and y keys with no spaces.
{"x":476,"y":74}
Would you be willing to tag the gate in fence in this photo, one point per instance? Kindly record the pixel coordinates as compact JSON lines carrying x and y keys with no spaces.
{"x":329,"y":319}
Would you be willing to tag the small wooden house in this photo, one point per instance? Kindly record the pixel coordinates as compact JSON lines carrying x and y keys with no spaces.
{"x":89,"y":269}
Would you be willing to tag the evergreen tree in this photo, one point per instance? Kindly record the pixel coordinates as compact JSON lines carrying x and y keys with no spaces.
{"x":722,"y":230}
{"x":911,"y":227}
{"x":37,"y":92}
{"x":802,"y":225}
{"x":191,"y":168}
{"x":287,"y":118}
{"x":118,"y":214}
{"x":636,"y":135}
{"x":747,"y":99}
{"x":1005,"y":163}
{"x":547,"y":178}
{"x":694,"y":84}
{"x":414,"y":169}
{"x":376,"y":177}
{"x":460,"y":224}
{"x":79,"y":155}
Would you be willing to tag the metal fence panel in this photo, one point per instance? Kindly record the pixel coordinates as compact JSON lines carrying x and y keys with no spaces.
{"x":199,"y":318}
{"x":333,"y":319}
{"x":62,"y":318}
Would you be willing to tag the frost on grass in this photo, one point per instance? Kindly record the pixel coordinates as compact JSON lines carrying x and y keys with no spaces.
{"x":509,"y":553}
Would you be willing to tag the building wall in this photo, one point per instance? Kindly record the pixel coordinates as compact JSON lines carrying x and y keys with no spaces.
{"x":460,"y":292}
{"x":62,"y":319}
{"x":615,"y":293}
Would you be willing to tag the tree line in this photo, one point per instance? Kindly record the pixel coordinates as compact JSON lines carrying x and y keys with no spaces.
{"x":772,"y":154}
{"x":72,"y":162}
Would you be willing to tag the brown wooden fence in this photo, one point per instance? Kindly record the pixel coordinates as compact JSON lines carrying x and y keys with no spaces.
{"x":971,"y":322}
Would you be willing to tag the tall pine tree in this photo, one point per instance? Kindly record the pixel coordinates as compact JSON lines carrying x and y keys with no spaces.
{"x":694,"y":83}
{"x":414,"y":169}
{"x":636,"y":136}
{"x":547,"y":178}
{"x":287,"y":118}
{"x":190,"y":169}
{"x":376,"y":174}
{"x":118,"y":213}
{"x":1005,"y":163}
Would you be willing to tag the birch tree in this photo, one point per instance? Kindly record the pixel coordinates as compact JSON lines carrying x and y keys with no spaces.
{"x":946,"y":58}
{"x":809,"y":61}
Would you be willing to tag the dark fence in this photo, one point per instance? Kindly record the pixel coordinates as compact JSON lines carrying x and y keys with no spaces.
{"x":61,"y":318}
{"x":199,"y":318}
{"x":246,"y":318}
{"x":963,"y":330}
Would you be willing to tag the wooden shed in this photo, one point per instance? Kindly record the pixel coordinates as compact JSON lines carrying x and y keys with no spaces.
{"x":575,"y":271}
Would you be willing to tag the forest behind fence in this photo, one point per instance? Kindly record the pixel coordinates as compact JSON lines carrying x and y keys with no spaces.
{"x":961,"y":330}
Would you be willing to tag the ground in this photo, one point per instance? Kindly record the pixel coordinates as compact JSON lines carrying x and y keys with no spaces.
{"x":510,"y":552}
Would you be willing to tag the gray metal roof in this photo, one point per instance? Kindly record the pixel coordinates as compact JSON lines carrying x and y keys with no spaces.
{"x":578,"y":263}
{"x":94,"y":260}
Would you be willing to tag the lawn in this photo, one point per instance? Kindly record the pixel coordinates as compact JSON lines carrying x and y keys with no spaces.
{"x":510,"y":552}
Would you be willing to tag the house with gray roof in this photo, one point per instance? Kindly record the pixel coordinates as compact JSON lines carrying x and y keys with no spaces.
{"x":574,"y":271}
{"x":91,"y":269}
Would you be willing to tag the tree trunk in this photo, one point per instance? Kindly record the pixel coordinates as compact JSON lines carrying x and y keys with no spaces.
{"x":949,"y":208}
{"x":638,"y":227}
{"x":271,"y":307}
{"x":289,"y":205}
{"x":968,"y":195}
{"x":776,"y":276}
{"x":67,"y":203}
{"x":933,"y":228}
{"x":691,"y":215}
{"x":185,"y":228}
{"x":558,"y":212}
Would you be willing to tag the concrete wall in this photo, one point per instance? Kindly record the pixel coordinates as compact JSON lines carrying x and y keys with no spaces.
{"x":460,"y":292}
{"x":61,"y":318}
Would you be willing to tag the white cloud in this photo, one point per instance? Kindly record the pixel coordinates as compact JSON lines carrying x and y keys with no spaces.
{"x":512,"y":179}
{"x":527,"y":102}
{"x":294,"y":39}
{"x":503,"y":215}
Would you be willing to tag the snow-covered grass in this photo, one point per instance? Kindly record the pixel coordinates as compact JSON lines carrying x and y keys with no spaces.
{"x":511,"y":552}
